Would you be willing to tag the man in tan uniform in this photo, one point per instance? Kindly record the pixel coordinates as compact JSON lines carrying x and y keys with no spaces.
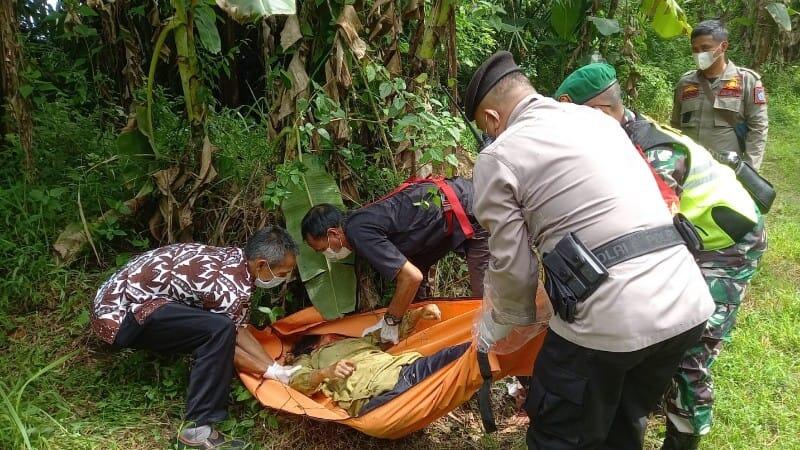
{"x":556,"y":172}
{"x":721,"y":106}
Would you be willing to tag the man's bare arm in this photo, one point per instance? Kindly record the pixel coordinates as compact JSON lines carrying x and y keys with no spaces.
{"x":246,"y":363}
{"x":408,"y":280}
{"x":250,"y":355}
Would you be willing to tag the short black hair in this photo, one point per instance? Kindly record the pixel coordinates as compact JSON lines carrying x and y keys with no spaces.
{"x":319,"y":219}
{"x":271,"y":244}
{"x":714,"y":28}
{"x":305,"y":344}
{"x":509,"y":82}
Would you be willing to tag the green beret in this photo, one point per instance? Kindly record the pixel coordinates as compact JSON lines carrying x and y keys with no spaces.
{"x":486,"y":77}
{"x":586,"y":83}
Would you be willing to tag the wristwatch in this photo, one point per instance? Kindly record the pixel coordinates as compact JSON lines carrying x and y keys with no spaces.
{"x":392,"y":320}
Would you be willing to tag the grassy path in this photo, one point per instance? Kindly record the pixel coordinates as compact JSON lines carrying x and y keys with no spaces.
{"x":758,"y":373}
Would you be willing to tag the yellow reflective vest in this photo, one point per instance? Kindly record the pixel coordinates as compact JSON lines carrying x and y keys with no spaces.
{"x":710,"y":192}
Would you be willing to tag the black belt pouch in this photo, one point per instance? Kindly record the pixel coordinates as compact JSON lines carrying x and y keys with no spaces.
{"x":573,"y":274}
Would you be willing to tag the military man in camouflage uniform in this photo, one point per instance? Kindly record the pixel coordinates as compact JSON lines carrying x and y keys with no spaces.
{"x":721,"y":106}
{"x":728,"y":222}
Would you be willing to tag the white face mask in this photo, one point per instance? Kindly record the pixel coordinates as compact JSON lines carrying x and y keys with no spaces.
{"x":337,"y":255}
{"x":274,"y":282}
{"x":704,"y":60}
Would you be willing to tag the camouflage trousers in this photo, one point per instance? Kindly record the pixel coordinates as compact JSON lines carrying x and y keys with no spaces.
{"x":690,"y":397}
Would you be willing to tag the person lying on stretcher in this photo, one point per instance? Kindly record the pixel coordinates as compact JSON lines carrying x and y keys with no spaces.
{"x":356,"y":373}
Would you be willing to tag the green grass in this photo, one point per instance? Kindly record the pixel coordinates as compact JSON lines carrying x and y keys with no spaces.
{"x":758,"y":374}
{"x":99,"y":399}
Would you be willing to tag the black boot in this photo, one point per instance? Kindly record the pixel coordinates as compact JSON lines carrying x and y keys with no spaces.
{"x":675,"y":440}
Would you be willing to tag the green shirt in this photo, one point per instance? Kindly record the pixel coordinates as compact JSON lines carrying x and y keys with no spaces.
{"x":376,"y":371}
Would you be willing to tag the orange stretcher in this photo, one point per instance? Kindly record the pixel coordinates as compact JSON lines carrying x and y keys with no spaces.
{"x":432,"y":398}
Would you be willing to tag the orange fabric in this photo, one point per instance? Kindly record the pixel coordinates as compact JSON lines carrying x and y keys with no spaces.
{"x":419,"y":406}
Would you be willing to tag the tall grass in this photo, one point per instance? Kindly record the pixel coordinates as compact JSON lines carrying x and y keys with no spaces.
{"x":20,"y":416}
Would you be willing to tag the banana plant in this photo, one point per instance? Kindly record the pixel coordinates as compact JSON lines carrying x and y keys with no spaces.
{"x":331,"y":286}
{"x":250,"y":10}
{"x":667,"y":17}
{"x":181,"y":25}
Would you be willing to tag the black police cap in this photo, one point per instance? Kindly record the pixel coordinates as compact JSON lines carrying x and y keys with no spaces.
{"x":486,"y":77}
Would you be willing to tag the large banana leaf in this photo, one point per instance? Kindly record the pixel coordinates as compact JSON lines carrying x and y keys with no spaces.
{"x":565,"y":16}
{"x":331,"y":286}
{"x":667,"y":17}
{"x":780,"y":14}
{"x":251,"y":10}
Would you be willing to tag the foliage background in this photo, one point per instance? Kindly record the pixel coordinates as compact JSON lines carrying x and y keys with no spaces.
{"x":83,"y":75}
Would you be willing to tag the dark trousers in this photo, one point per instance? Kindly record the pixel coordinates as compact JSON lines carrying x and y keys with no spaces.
{"x":477,"y":254}
{"x":416,"y":372}
{"x":211,"y":338}
{"x":590,"y":399}
{"x":475,"y":251}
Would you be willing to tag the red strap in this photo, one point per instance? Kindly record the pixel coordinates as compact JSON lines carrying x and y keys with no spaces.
{"x":409,"y":182}
{"x":449,"y":195}
{"x":672,"y":201}
{"x":455,"y":203}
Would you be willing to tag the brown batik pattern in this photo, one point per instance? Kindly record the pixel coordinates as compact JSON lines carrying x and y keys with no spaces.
{"x":212,"y":278}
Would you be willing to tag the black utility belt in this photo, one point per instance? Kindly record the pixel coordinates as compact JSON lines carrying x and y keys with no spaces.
{"x":761,"y":191}
{"x":573,"y":272}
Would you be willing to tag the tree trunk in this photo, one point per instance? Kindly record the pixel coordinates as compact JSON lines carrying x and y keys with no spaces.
{"x":612,"y":9}
{"x":187,"y":66}
{"x":435,"y":27}
{"x":230,"y":84}
{"x":452,"y":59}
{"x":178,"y":194}
{"x":763,"y":36}
{"x":122,"y":50}
{"x":17,"y":106}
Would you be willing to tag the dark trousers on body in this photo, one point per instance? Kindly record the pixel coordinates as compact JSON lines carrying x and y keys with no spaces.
{"x":477,"y":254}
{"x":416,"y":372}
{"x":582,"y":398}
{"x":211,"y":338}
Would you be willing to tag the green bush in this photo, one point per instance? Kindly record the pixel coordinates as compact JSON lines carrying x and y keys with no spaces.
{"x":655,"y":90}
{"x":477,"y":26}
{"x":72,"y":153}
{"x":782,"y":84}
{"x":242,"y":145}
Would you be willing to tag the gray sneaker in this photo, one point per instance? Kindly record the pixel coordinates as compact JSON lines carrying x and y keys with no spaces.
{"x":216,"y":441}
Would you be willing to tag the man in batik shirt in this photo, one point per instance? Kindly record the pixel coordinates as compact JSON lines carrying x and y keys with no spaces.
{"x":196,"y":298}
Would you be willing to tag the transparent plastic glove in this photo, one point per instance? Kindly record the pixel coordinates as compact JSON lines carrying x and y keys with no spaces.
{"x":280,"y":373}
{"x":489,"y":332}
{"x":389,"y":333}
